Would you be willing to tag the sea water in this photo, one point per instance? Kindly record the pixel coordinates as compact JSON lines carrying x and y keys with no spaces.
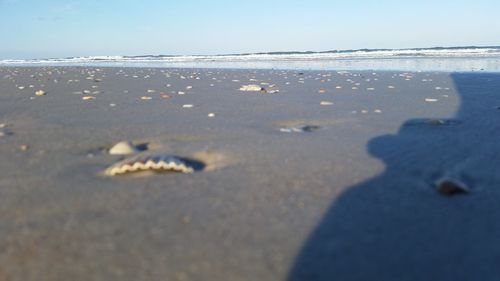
{"x":423,"y":59}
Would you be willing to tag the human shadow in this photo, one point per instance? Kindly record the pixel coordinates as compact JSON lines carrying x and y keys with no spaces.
{"x":396,"y":226}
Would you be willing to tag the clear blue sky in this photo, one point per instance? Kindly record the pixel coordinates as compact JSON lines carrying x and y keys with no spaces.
{"x":61,"y":28}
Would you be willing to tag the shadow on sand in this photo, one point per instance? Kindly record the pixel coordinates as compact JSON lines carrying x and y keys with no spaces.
{"x":396,"y":226}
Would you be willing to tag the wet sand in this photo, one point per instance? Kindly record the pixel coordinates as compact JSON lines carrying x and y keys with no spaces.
{"x":350,"y":197}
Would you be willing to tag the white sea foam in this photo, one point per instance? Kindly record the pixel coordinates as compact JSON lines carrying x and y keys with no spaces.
{"x":469,"y":58}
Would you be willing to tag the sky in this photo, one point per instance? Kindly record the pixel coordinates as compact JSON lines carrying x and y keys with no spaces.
{"x":66,"y":28}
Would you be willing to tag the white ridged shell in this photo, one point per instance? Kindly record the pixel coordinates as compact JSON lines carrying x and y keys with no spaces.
{"x":149,"y":162}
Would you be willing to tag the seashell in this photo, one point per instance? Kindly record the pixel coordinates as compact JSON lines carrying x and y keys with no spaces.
{"x":326,"y":103}
{"x":40,"y":93}
{"x":303,"y":129}
{"x":123,"y":148}
{"x":157,"y":163}
{"x":252,"y":88}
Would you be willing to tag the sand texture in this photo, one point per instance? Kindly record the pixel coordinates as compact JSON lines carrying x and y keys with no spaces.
{"x":323,"y":175}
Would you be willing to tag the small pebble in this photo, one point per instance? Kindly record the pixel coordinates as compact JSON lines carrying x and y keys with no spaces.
{"x":24,"y":147}
{"x":88,"y":98}
{"x":431,"y":100}
{"x":146,"y":98}
{"x":451,"y":187}
{"x":40,"y":93}
{"x":211,"y":115}
{"x":187,"y":105}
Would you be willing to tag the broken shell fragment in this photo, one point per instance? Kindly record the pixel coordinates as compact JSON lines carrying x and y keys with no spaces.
{"x":155,"y":163}
{"x":302,"y":129}
{"x":252,"y":88}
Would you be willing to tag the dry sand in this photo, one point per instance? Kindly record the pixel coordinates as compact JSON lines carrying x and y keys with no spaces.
{"x":331,"y":178}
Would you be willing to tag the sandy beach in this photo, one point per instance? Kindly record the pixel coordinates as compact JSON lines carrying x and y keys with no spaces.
{"x":322,"y":175}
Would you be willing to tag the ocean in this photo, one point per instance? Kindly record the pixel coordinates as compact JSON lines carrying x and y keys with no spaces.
{"x":454,"y":59}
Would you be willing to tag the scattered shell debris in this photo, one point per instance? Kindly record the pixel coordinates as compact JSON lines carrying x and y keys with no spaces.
{"x":154,"y":163}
